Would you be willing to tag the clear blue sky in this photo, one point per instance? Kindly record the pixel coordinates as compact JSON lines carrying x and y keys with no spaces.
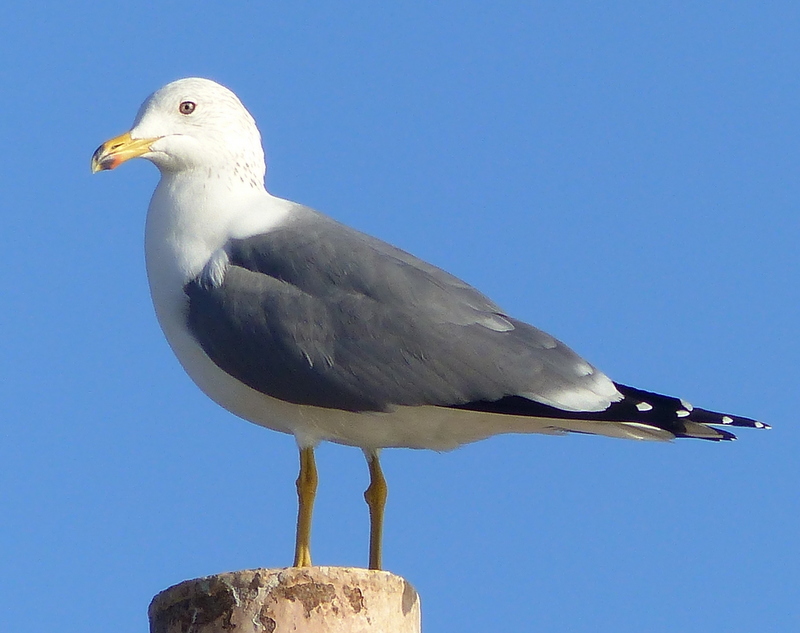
{"x":624,"y":177}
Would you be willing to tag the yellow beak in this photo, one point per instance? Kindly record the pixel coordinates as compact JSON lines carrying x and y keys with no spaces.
{"x":113,"y":153}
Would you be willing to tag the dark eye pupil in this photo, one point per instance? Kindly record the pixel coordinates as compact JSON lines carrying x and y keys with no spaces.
{"x":187,"y":107}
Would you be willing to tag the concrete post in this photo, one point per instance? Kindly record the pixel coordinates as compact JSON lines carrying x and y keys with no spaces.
{"x":302,"y":599}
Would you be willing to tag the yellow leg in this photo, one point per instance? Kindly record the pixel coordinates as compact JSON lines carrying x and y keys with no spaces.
{"x":306,"y":491}
{"x":375,"y":496}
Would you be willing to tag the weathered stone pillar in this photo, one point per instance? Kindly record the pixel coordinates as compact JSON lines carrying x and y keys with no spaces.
{"x":302,"y":599}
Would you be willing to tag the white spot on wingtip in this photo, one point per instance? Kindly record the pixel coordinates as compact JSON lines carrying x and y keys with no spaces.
{"x":644,"y":406}
{"x":686,"y":405}
{"x":760,"y":425}
{"x":682,"y":413}
{"x":726,"y":419}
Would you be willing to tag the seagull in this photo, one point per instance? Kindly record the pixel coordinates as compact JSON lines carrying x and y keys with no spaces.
{"x":300,"y":324}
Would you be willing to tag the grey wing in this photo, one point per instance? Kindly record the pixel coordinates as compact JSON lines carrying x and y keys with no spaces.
{"x":316,"y":313}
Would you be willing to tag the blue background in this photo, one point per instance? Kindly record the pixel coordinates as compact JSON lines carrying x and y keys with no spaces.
{"x":623,"y":176}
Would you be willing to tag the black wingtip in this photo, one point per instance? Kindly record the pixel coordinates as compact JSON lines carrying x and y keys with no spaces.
{"x":681,"y":418}
{"x":637,"y":408}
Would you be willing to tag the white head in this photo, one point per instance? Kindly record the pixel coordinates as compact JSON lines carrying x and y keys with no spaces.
{"x":188,"y":125}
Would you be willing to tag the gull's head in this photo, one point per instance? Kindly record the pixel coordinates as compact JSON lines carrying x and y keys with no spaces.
{"x":188,"y":125}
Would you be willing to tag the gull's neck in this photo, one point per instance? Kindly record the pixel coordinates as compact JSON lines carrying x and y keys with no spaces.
{"x":193,"y":214}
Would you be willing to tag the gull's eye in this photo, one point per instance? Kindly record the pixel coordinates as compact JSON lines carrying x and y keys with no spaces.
{"x":187,"y":107}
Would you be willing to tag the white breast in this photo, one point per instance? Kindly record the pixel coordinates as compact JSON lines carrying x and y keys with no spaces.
{"x":187,"y":223}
